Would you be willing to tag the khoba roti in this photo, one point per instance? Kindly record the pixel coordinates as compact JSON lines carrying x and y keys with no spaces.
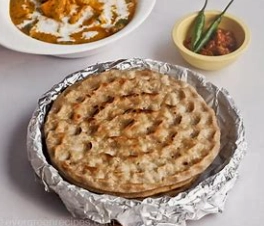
{"x":131,"y":133}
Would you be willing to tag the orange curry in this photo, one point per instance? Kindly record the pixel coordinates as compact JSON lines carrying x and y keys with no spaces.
{"x":71,"y":21}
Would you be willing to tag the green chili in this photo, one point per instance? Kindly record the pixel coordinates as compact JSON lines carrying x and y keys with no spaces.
{"x":198,"y":26}
{"x":211,"y":30}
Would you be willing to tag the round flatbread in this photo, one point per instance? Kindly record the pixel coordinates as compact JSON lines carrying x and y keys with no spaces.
{"x":132,"y":133}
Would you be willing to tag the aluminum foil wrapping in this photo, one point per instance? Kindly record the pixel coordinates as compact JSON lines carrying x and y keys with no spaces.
{"x":207,"y":196}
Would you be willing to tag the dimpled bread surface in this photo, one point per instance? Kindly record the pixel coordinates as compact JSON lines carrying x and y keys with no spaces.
{"x":131,"y":133}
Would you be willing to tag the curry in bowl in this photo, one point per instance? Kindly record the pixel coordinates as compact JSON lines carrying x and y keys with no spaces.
{"x":71,"y":21}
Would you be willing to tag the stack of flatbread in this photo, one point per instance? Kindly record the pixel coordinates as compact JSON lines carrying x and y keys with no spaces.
{"x":131,"y":133}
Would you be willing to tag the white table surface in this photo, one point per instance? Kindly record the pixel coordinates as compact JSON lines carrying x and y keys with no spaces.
{"x":24,"y":78}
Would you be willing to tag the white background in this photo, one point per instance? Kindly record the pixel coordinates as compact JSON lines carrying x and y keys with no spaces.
{"x":24,"y":78}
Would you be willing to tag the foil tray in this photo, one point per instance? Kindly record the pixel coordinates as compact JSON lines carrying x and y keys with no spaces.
{"x":207,"y":196}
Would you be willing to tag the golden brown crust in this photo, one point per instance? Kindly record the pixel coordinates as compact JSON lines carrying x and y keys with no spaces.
{"x":131,"y":133}
{"x":170,"y":190}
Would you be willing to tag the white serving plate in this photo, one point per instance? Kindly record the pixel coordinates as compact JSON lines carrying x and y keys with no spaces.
{"x":12,"y":38}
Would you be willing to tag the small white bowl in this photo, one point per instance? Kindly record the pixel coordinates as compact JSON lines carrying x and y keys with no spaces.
{"x":12,"y":38}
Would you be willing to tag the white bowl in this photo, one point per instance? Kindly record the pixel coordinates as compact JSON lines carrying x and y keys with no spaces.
{"x":12,"y":38}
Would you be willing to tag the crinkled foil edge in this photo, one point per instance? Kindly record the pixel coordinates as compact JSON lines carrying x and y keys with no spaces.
{"x":206,"y":197}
